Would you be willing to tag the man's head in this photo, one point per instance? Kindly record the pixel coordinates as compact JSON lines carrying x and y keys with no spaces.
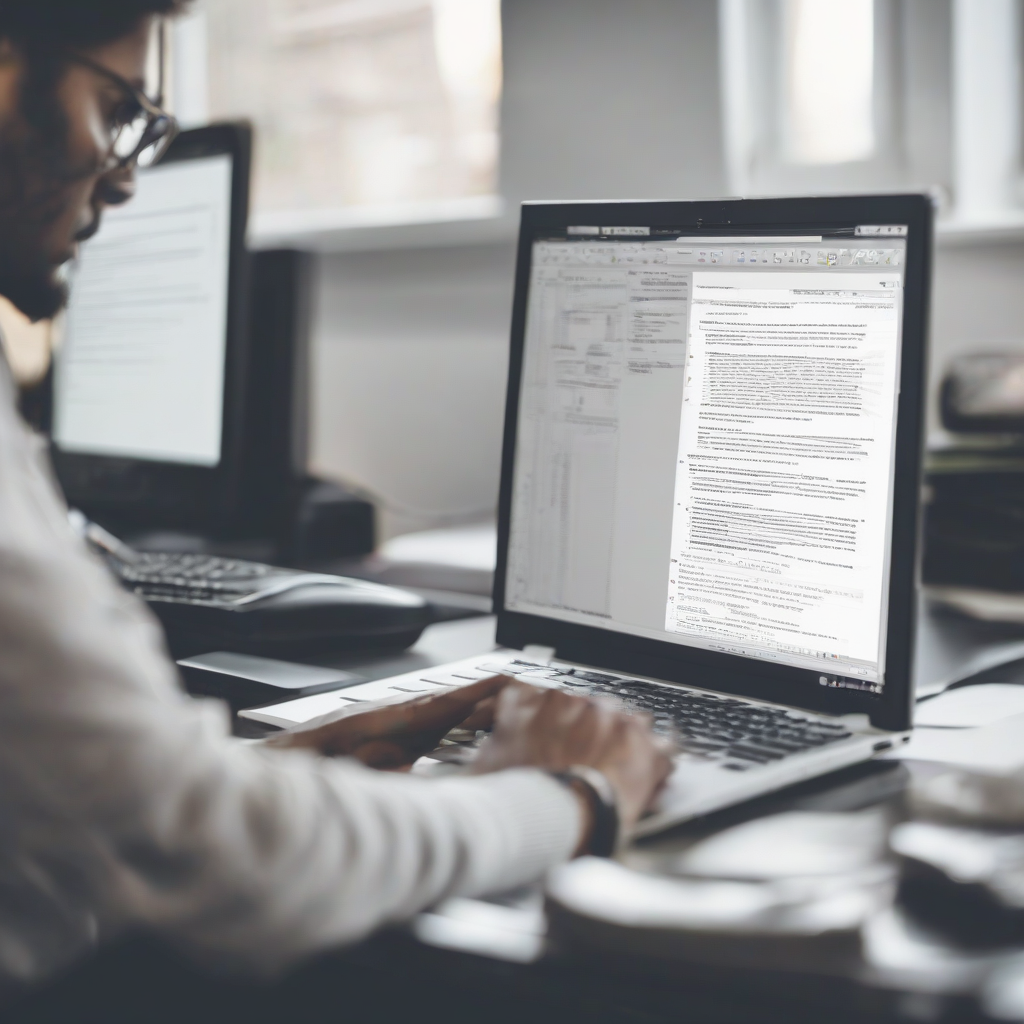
{"x":59,"y":112}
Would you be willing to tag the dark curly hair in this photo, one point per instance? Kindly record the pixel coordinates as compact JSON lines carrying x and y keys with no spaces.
{"x":44,"y":30}
{"x":76,"y":23}
{"x":36,"y":164}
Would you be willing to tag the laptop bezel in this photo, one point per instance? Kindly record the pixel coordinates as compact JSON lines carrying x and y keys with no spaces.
{"x":624,"y":652}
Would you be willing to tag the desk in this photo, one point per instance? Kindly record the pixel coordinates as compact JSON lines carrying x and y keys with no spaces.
{"x":950,"y":645}
{"x":394,"y":977}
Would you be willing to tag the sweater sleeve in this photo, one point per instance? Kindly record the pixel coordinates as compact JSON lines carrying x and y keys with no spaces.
{"x":125,"y":802}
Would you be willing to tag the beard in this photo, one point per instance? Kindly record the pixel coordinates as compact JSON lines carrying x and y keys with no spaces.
{"x":27,"y":277}
{"x":37,"y":176}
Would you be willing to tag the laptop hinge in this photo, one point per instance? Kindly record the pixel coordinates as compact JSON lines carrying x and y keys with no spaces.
{"x":539,"y":653}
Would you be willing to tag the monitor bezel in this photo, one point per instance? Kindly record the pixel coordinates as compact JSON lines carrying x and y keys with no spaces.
{"x":129,"y":492}
{"x":624,"y":652}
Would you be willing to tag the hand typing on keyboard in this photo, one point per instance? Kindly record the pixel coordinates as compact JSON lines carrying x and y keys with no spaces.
{"x":532,"y":727}
{"x":393,"y":736}
{"x":556,"y":730}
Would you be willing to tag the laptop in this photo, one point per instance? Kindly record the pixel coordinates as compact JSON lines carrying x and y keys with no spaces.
{"x":710,"y":481}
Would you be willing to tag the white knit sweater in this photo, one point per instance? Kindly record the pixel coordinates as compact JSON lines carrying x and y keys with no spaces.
{"x":125,"y":802}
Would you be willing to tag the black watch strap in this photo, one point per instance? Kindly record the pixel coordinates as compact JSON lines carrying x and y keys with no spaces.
{"x":604,"y":835}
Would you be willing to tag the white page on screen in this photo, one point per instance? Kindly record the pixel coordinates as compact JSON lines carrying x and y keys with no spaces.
{"x":141,"y":371}
{"x":705,"y":446}
{"x":781,"y":515}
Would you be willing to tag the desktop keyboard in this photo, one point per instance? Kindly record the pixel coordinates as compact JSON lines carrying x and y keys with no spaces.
{"x":209,"y":603}
{"x":739,"y":734}
{"x":202,"y":579}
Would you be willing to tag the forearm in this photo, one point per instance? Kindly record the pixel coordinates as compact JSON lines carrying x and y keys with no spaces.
{"x":160,"y":819}
{"x":328,"y":851}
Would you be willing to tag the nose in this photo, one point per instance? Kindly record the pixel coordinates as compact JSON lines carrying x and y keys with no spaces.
{"x":111,"y":189}
{"x":114,"y":188}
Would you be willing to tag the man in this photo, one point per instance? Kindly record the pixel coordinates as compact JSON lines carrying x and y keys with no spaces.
{"x":123,"y":803}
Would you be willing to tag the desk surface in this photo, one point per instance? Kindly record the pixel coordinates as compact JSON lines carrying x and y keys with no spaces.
{"x":440,"y":643}
{"x":394,"y":977}
{"x":948,"y":645}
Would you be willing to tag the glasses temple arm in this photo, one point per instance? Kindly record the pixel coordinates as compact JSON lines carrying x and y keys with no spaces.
{"x":161,"y":34}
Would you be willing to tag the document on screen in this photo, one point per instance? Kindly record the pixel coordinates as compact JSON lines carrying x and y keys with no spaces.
{"x":141,"y":373}
{"x":784,"y":472}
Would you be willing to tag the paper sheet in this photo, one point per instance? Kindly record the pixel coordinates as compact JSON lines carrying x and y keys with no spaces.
{"x":993,"y":749}
{"x":936,"y":677}
{"x":971,"y":706}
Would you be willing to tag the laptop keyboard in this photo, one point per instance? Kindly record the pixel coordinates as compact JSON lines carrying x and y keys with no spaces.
{"x":737,"y":734}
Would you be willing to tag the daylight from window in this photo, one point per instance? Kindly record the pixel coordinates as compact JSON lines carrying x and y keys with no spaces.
{"x":828,"y":94}
{"x":359,"y":102}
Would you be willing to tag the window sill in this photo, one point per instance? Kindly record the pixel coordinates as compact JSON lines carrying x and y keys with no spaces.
{"x":481,"y":220}
{"x":477,"y":220}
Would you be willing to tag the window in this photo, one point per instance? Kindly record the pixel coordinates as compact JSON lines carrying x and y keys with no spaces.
{"x":829,"y":81}
{"x":837,"y":95}
{"x":356,"y":103}
{"x":986,"y":71}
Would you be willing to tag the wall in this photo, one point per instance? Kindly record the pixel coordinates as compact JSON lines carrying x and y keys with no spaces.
{"x":978,"y":304}
{"x":603,"y":98}
{"x":408,"y":371}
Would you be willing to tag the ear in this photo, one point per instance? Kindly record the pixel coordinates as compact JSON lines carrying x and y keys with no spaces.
{"x":10,"y":71}
{"x":10,"y":55}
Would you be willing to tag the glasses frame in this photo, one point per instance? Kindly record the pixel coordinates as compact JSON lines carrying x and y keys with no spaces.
{"x":161,"y":126}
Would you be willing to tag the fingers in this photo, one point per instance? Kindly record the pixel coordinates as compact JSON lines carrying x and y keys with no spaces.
{"x":555,"y":730}
{"x":383,"y":755}
{"x":436,"y":713}
{"x":416,"y":725}
{"x":482,"y":716}
{"x":546,"y":728}
{"x":516,"y":705}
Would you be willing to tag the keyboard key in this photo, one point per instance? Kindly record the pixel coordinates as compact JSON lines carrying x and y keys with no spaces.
{"x":594,"y":677}
{"x":713,"y":726}
{"x":703,"y":743}
{"x":496,"y":668}
{"x":746,"y":753}
{"x":774,"y":744}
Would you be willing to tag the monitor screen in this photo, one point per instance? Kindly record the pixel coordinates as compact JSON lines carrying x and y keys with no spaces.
{"x":706,"y":440}
{"x":140,"y":373}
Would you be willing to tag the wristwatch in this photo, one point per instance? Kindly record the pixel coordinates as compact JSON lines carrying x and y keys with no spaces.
{"x":604,"y":835}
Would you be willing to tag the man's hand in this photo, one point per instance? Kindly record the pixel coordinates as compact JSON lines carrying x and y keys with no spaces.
{"x":395,"y":735}
{"x":532,"y":728}
{"x":555,"y":730}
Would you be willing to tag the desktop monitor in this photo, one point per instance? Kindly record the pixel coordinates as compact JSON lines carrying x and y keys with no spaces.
{"x":147,"y":411}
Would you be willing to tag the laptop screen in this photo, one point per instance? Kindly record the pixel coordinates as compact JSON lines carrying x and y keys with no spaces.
{"x":706,"y":441}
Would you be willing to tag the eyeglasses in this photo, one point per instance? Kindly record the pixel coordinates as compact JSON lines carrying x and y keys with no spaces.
{"x":141,"y":130}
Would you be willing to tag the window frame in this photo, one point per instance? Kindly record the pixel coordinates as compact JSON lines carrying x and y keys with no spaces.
{"x":461,"y":220}
{"x":751,"y":48}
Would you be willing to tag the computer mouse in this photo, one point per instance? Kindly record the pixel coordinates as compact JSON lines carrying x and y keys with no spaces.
{"x":325,"y":613}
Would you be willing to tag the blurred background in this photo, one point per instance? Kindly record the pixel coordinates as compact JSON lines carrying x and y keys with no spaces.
{"x":395,"y":139}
